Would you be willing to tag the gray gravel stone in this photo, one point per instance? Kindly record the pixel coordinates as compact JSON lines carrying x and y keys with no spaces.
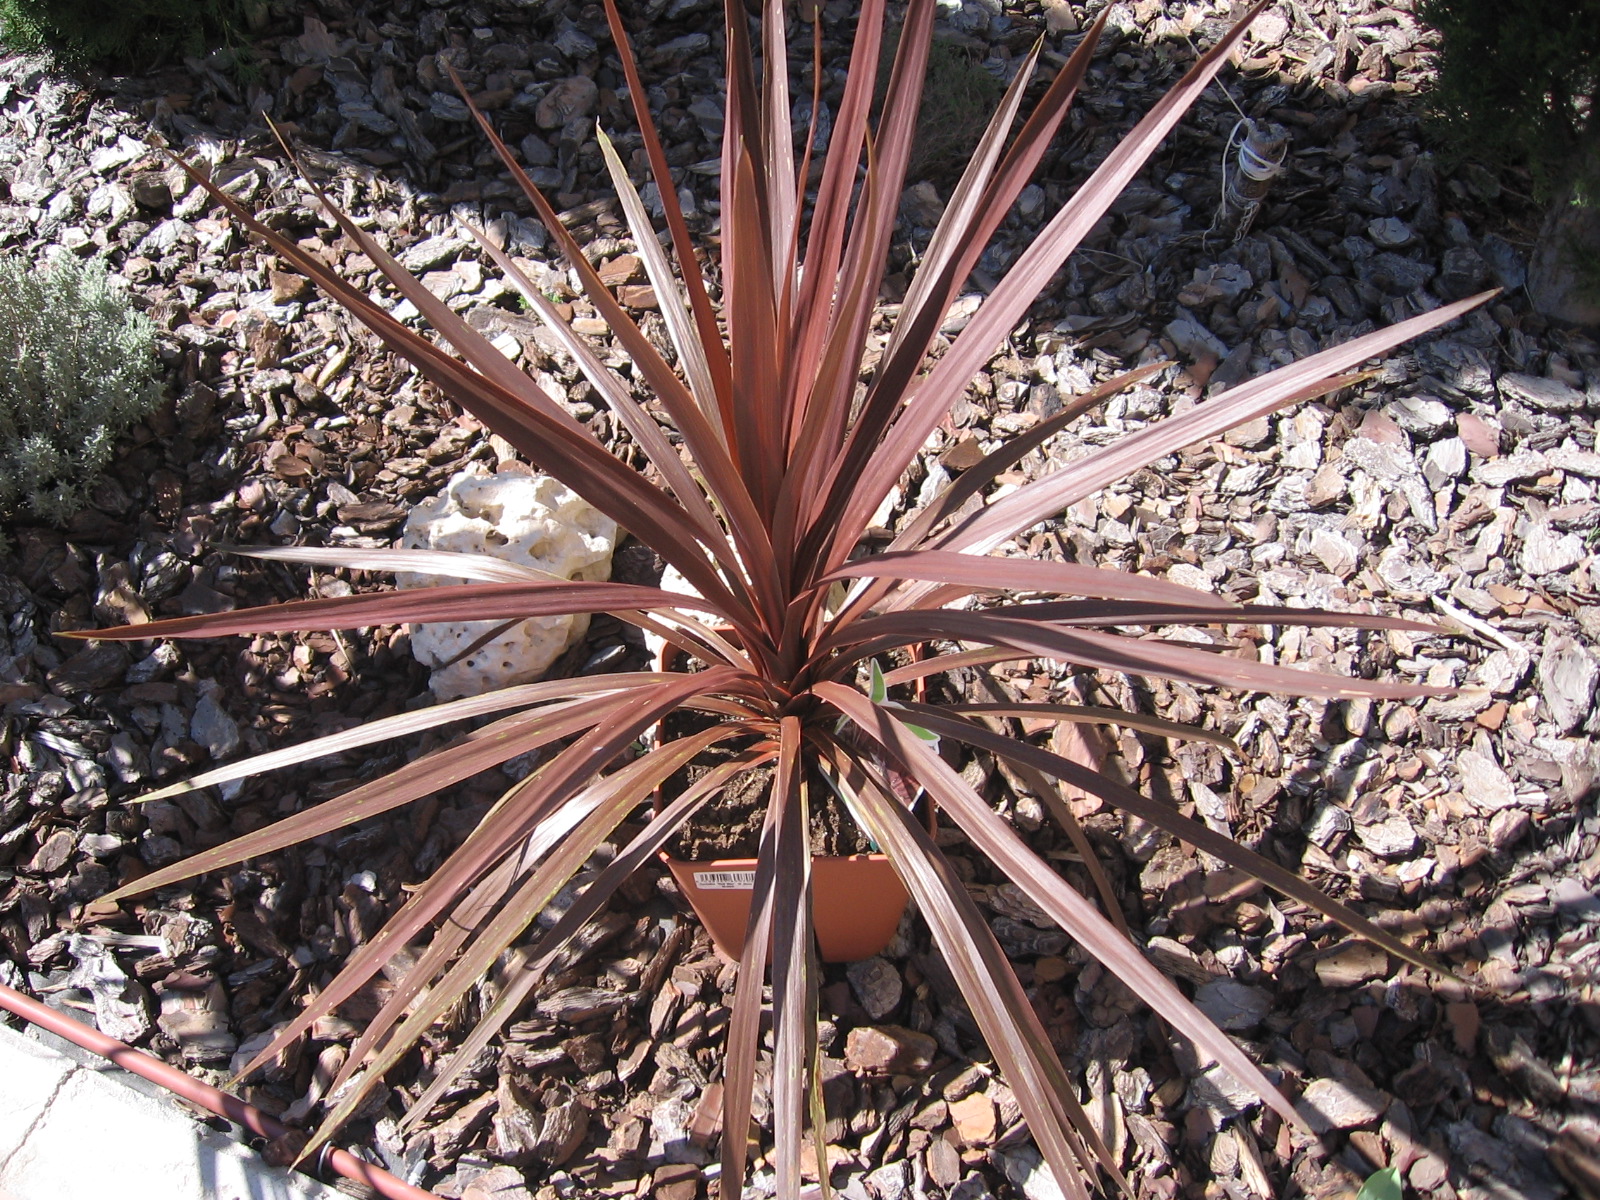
{"x":1026,"y":1169}
{"x":1326,"y":824}
{"x":1390,"y":232}
{"x":1394,"y":273}
{"x":446,"y":107}
{"x":1485,"y":785}
{"x":1524,"y":464}
{"x":212,"y":727}
{"x":1567,"y":677}
{"x":431,"y":252}
{"x":1462,"y":272}
{"x":1445,"y":461}
{"x":877,"y":986}
{"x":1548,"y":395}
{"x":1578,"y":462}
{"x":1335,"y":551}
{"x":1423,"y":415}
{"x":1546,"y":550}
{"x":1194,"y":340}
{"x":1505,"y":261}
{"x":1392,"y":837}
{"x":1386,"y":462}
{"x":890,"y":1182}
{"x":1236,"y":1007}
{"x":1330,"y":1104}
{"x":571,"y":99}
{"x":1458,"y":366}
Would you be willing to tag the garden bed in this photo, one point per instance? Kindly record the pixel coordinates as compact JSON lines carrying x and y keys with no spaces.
{"x":1458,"y":486}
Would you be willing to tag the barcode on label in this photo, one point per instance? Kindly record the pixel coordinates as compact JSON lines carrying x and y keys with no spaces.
{"x":725,"y":880}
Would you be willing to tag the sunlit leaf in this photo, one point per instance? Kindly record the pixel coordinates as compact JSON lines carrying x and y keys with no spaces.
{"x":1382,"y":1185}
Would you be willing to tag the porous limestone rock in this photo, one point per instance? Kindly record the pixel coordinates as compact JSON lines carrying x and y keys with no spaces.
{"x":672,"y":580}
{"x":523,"y":518}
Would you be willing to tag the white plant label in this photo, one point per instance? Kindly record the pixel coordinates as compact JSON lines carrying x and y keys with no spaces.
{"x":725,"y":881}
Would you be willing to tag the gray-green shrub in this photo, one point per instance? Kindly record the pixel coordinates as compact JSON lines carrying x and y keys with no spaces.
{"x":77,"y":367}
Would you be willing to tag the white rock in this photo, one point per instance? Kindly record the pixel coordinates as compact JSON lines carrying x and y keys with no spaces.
{"x":529,"y":519}
{"x":672,"y":580}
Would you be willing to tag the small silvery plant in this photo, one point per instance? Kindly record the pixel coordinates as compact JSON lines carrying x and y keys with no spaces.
{"x":77,"y":367}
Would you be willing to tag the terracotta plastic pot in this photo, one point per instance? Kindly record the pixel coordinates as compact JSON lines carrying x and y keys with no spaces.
{"x":856,"y":902}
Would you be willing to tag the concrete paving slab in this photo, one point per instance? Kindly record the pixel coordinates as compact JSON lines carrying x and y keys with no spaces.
{"x":71,"y":1131}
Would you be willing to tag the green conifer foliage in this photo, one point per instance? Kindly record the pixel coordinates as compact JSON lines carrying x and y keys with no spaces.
{"x":1517,"y":81}
{"x":125,"y":33}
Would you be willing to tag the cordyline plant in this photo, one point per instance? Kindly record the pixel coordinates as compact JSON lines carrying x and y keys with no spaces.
{"x":789,"y":445}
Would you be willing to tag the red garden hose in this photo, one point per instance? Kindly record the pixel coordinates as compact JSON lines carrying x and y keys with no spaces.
{"x":203,"y":1094}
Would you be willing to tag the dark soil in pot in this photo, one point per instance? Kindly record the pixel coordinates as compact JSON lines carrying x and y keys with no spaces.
{"x":729,"y":826}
